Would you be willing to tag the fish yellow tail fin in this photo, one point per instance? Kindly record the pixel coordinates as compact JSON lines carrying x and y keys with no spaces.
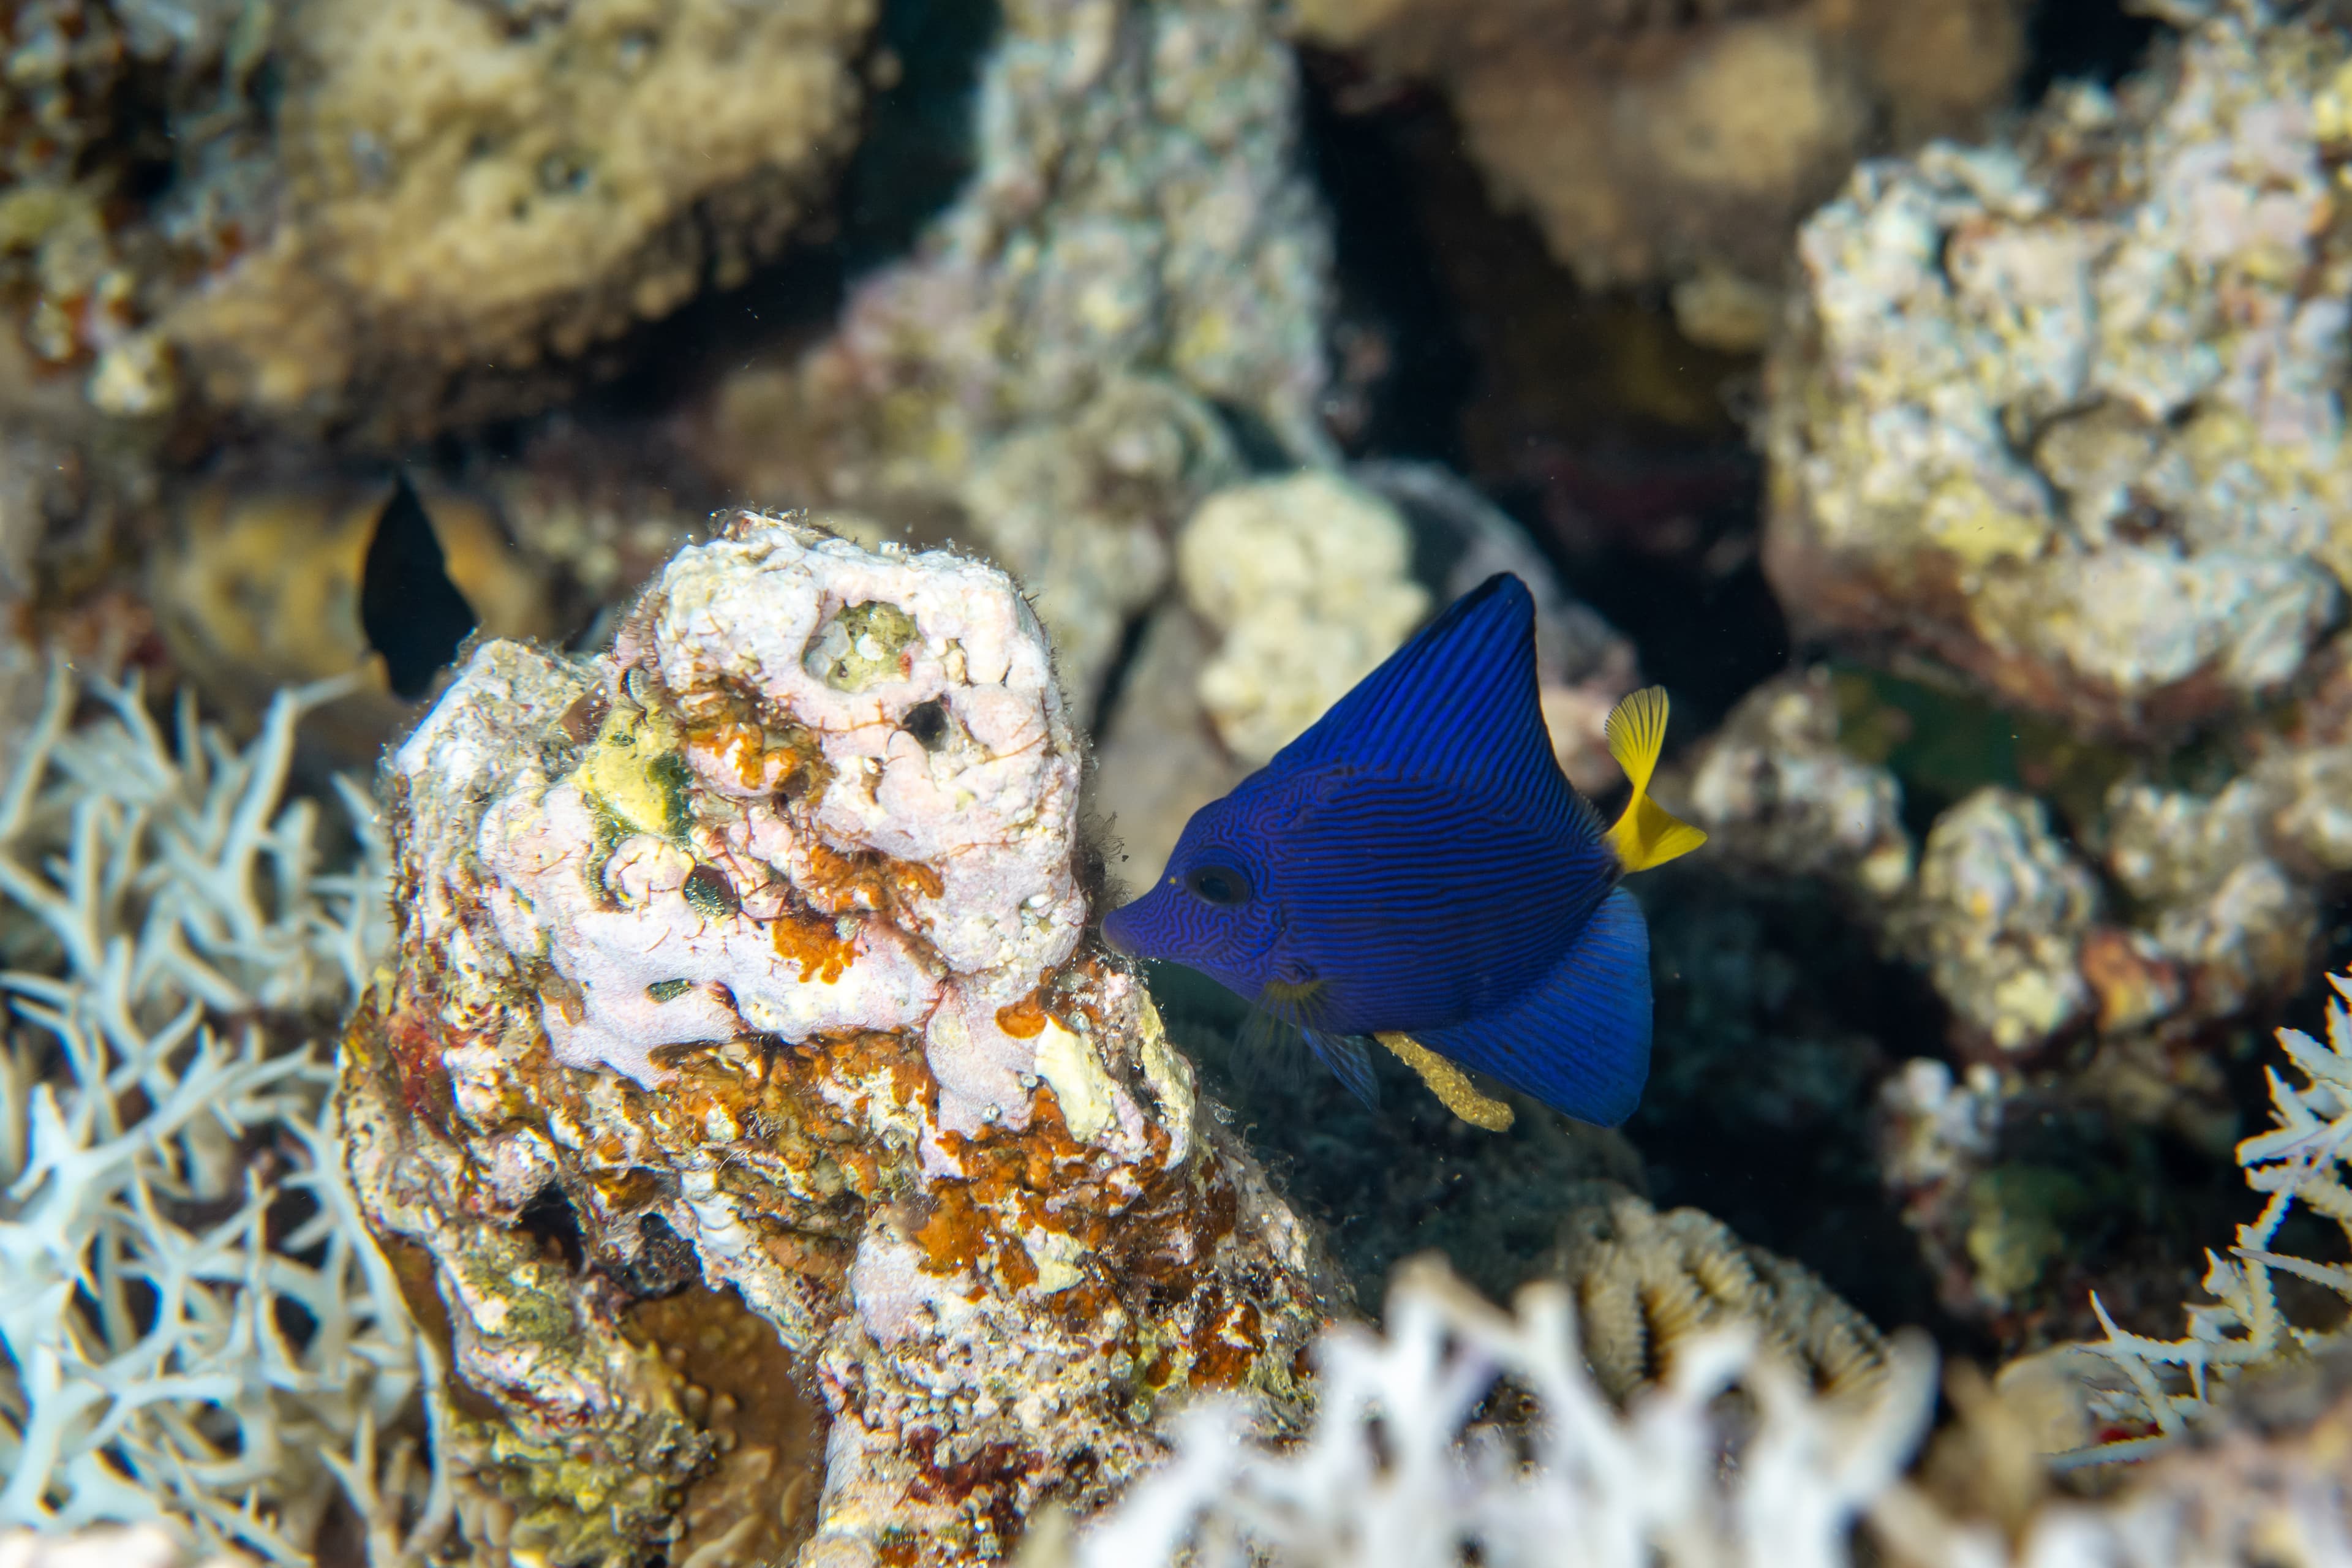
{"x":1646,"y":833}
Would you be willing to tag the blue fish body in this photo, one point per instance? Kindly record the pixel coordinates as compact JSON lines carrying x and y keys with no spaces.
{"x":1416,"y":863}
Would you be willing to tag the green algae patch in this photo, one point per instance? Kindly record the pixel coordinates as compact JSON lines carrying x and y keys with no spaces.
{"x":864,"y":645}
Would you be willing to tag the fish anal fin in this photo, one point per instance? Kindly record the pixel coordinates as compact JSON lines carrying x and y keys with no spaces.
{"x":1578,"y":1039}
{"x":1649,"y":835}
{"x":1636,"y":733}
{"x":1350,"y":1062}
{"x":1449,"y":1083}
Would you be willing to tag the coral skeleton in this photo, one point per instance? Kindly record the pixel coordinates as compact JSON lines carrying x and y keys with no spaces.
{"x":1470,"y":1434}
{"x":2301,"y":1161}
{"x":1402,"y":1466}
{"x":199,"y":1333}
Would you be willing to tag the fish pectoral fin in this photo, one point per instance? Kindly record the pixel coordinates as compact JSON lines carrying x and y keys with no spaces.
{"x":1649,"y":835}
{"x":1645,"y":833}
{"x":1350,"y":1062}
{"x":1449,"y":1083}
{"x":1579,"y":1038}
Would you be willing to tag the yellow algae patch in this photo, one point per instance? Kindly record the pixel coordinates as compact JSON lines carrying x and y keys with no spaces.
{"x":1060,"y":1259}
{"x":1978,"y":531}
{"x":1449,"y":1083}
{"x":633,"y":772}
{"x":1067,"y":1062}
{"x":1168,"y":1073}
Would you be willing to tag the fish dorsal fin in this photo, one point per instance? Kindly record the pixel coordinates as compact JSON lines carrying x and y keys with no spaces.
{"x":1645,"y":833}
{"x":1457,"y":703}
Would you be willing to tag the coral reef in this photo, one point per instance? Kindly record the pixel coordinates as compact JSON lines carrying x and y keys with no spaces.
{"x":2000,"y":910}
{"x":101,"y":1546}
{"x":199,"y":1332}
{"x":1468,"y":1428}
{"x":1777,"y":793}
{"x":747,"y":957}
{"x":1307,"y":582}
{"x":409,"y":215}
{"x":1136,"y":261}
{"x":1406,"y":1464}
{"x":2062,"y":413}
{"x":1655,"y":142}
{"x":1648,"y":1287}
{"x":2176,"y":1385}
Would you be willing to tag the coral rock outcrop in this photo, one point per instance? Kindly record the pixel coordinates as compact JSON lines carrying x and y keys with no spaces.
{"x":2065,"y":414}
{"x":749,"y":960}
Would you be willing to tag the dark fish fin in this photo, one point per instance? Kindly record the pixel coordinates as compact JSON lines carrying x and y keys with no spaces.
{"x":1350,"y":1060}
{"x":1268,"y":1059}
{"x":413,"y":615}
{"x":1456,"y":703}
{"x":1578,"y":1039}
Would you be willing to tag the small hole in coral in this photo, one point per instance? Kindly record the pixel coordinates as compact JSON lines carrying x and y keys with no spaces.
{"x":551,"y":1217}
{"x":927,"y":722}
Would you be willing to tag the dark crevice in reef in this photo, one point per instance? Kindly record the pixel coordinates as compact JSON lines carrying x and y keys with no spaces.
{"x":1402,"y":372}
{"x":1776,"y":1023}
{"x":914,"y":155}
{"x":1609,"y":435}
{"x":551,"y":1217}
{"x":2073,"y":40}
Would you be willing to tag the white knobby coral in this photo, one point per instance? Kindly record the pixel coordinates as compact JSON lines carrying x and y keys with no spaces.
{"x":189,"y":1340}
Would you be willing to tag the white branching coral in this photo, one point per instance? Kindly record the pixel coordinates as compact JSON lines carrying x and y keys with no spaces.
{"x":199,"y":1331}
{"x":2300,"y":1161}
{"x":1402,"y":1469}
{"x":1468,"y":1434}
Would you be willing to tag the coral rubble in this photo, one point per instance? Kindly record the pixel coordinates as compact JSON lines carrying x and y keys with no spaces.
{"x":752,"y":953}
{"x":2063,"y":413}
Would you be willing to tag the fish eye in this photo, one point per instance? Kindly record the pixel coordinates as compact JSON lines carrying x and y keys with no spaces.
{"x":1218,"y":885}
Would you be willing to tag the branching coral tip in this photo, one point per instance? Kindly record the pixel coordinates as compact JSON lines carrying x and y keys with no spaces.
{"x":1415,"y":869}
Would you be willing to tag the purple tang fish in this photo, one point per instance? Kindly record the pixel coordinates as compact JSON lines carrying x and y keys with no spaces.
{"x":1416,"y":864}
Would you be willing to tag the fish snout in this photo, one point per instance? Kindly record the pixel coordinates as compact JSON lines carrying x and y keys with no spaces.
{"x":1116,"y":932}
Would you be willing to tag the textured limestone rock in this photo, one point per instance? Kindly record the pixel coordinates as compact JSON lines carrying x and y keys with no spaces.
{"x":1774,"y":791}
{"x":453,"y":202}
{"x":1138,"y":261}
{"x":754,"y":951}
{"x":2001,"y":908}
{"x":2064,"y":413}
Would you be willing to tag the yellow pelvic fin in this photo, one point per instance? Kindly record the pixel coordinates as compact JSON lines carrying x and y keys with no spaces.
{"x":1449,"y":1083}
{"x":1646,"y":833}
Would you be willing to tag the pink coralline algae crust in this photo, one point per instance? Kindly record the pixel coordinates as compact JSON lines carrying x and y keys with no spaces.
{"x":759,"y":941}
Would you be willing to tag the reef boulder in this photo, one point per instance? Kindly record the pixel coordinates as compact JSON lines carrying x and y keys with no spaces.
{"x":2064,"y":413}
{"x":742,"y":999}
